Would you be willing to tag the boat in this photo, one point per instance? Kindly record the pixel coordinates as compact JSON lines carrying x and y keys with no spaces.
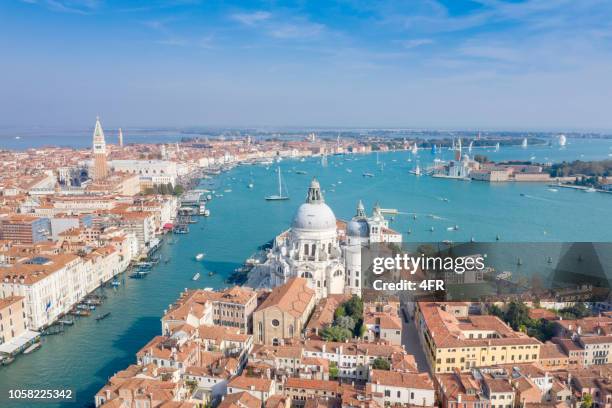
{"x":497,"y":147}
{"x":7,"y":360}
{"x":368,"y":175}
{"x":434,"y":149}
{"x":280,"y":196}
{"x":250,"y":185}
{"x":300,"y":172}
{"x":349,"y":170}
{"x":524,"y":144}
{"x":416,"y":171}
{"x":199,"y":257}
{"x":562,"y":140}
{"x":196,"y":277}
{"x":67,"y":322}
{"x":553,"y":190}
{"x":506,"y":275}
{"x":227,"y":190}
{"x":470,"y":146}
{"x":211,"y":273}
{"x":103,"y":316}
{"x":590,"y":190}
{"x":415,"y":148}
{"x":207,"y":213}
{"x":202,"y":208}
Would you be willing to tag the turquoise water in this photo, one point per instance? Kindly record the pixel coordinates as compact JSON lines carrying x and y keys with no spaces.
{"x":88,"y":353}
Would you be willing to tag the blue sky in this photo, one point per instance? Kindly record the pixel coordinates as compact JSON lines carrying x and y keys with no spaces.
{"x":479,"y":64}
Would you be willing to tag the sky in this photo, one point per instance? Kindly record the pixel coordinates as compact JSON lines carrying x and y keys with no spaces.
{"x":439,"y":64}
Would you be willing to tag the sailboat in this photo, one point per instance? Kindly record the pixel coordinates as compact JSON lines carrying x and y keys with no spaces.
{"x":470,"y":146}
{"x":434,"y":149}
{"x":415,"y":148}
{"x":416,"y":171}
{"x":280,"y":195}
{"x":497,"y":147}
{"x":524,"y":144}
{"x":562,"y":140}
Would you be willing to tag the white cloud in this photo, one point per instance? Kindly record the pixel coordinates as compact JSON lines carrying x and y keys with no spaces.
{"x":251,"y":19}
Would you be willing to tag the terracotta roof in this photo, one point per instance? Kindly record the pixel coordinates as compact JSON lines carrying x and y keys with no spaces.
{"x":293,"y":297}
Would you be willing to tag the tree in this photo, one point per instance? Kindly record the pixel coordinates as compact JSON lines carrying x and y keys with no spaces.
{"x":587,"y":401}
{"x":354,"y":307}
{"x":346,"y":322}
{"x":340,"y":311}
{"x":333,"y":370}
{"x":496,"y":311}
{"x":381,"y":364}
{"x":178,"y":190}
{"x":335,"y":333}
{"x":517,"y":315}
{"x":481,"y":158}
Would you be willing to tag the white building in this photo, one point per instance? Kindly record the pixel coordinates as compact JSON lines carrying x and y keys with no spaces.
{"x":310,"y":249}
{"x":158,"y":171}
{"x":314,"y":249}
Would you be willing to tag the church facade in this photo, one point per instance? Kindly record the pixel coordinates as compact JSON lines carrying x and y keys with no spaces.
{"x":323,"y":250}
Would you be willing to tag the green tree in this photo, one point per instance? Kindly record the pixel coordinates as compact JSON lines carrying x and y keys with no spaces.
{"x":354,"y":307}
{"x":587,"y":401}
{"x":333,"y":371}
{"x":178,"y":190}
{"x":346,"y":322}
{"x":517,"y":315}
{"x":381,"y":364}
{"x":335,"y":333}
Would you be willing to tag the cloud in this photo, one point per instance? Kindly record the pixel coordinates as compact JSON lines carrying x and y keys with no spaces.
{"x":417,"y":42}
{"x":296,"y":31}
{"x":251,"y":19}
{"x":68,"y":6}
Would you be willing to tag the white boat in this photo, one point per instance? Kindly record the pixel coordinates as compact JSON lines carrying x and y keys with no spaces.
{"x":196,"y":276}
{"x":279,"y":196}
{"x":497,"y":147}
{"x":250,"y":185}
{"x":349,"y":170}
{"x":416,"y":171}
{"x":202,"y":209}
{"x":368,"y":175}
{"x":554,"y":190}
{"x":207,"y":213}
{"x":199,"y":257}
{"x":415,"y":148}
{"x":227,"y":190}
{"x":562,"y":140}
{"x":590,"y":190}
{"x":524,"y":144}
{"x":470,"y":147}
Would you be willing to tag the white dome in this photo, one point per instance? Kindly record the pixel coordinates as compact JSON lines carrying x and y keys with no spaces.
{"x":314,"y":217}
{"x":358,"y":228}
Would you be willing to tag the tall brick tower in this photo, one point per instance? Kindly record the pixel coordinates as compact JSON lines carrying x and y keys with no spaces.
{"x":100,"y":168}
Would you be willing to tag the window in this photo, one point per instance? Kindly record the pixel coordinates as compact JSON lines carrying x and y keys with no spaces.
{"x":275,"y":322}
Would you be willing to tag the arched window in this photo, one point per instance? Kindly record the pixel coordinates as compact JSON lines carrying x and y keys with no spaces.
{"x":275,"y":342}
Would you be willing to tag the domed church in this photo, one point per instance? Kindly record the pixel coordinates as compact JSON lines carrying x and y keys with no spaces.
{"x":311,"y":248}
{"x":322,"y":249}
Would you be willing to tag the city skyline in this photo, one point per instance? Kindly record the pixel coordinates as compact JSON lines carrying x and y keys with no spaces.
{"x":539,"y":65}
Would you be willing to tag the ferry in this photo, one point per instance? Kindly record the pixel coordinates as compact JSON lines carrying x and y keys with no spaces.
{"x":199,"y":257}
{"x":196,"y":277}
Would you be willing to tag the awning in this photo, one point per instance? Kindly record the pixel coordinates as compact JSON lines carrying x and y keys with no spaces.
{"x":168,"y":226}
{"x":18,"y":342}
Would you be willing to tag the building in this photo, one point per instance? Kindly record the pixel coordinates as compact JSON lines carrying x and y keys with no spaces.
{"x":13,"y":321}
{"x":284,"y":313}
{"x":314,"y":247}
{"x":400,"y":388}
{"x":100,"y":166}
{"x":453,"y":339}
{"x":25,"y":229}
{"x":232,"y":307}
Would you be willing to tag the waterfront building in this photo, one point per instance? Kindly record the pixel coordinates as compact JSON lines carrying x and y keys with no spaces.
{"x":156,"y":172}
{"x":24,"y":228}
{"x":284,"y":313}
{"x":13,"y":322}
{"x":52,"y":284}
{"x":453,"y":339}
{"x":315,"y":248}
{"x":100,"y":166}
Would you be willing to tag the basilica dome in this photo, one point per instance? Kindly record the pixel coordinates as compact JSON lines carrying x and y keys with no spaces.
{"x":314,"y":214}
